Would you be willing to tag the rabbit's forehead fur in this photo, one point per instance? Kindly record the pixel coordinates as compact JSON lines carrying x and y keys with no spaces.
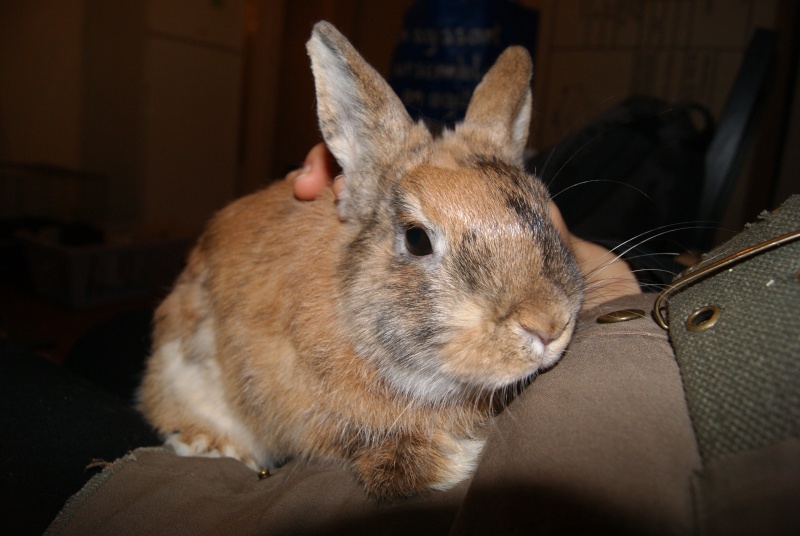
{"x":492,"y":215}
{"x":485,"y":196}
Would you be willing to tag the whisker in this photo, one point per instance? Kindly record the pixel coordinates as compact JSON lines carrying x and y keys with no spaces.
{"x":391,"y":427}
{"x":664,"y":229}
{"x":566,"y":132}
{"x":600,"y":283}
{"x":578,"y":150}
{"x":621,"y":183}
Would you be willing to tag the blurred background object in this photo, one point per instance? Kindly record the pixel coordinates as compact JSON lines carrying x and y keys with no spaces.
{"x":445,"y":47}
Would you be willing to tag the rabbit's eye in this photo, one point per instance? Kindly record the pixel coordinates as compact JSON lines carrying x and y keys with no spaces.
{"x":417,"y":242}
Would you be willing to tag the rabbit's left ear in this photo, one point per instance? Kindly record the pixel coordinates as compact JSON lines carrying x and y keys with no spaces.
{"x":499,"y":112}
{"x":362,"y":120}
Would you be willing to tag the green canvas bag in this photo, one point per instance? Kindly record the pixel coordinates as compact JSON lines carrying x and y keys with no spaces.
{"x":734,"y":321}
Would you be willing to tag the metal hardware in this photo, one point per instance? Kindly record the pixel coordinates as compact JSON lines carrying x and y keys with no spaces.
{"x":703,"y":318}
{"x":690,"y":276}
{"x":620,"y":316}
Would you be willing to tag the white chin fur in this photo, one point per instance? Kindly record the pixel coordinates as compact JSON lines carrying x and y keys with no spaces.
{"x":464,"y":454}
{"x":438,"y":388}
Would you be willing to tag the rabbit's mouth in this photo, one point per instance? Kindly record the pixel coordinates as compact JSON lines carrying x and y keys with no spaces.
{"x":479,"y":359}
{"x":491,"y":348}
{"x":504,"y":354}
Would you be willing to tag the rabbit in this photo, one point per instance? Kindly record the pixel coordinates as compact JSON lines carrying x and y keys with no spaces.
{"x":382,"y":329}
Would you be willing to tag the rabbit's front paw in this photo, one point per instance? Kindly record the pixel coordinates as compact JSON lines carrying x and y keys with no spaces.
{"x":407,"y":465}
{"x":200,"y":444}
{"x":462,"y":455}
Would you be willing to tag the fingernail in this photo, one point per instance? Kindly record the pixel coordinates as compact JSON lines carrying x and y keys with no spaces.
{"x":303,"y":172}
{"x":338,"y":185}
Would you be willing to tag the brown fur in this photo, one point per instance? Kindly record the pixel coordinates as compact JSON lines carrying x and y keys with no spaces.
{"x":302,"y":325}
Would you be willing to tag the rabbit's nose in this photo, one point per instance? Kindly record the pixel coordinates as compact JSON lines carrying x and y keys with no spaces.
{"x":541,"y":325}
{"x":545,"y":338}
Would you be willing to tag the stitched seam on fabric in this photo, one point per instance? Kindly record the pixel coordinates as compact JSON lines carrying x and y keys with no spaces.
{"x":77,"y":501}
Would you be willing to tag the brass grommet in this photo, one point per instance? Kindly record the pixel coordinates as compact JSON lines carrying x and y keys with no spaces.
{"x":703,"y":318}
{"x":264,"y":473}
{"x":622,"y":315}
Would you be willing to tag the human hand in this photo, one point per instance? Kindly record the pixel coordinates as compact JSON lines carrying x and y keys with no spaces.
{"x":607,"y":274}
{"x":318,"y":172}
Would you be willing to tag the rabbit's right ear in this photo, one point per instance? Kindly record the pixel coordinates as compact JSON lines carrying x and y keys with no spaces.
{"x":499,"y":112}
{"x":361,"y":118}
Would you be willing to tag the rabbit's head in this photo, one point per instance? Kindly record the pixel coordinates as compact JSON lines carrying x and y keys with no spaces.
{"x":455,"y":281}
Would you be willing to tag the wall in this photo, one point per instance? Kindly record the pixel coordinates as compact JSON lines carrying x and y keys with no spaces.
{"x":162,"y":102}
{"x":112,"y":92}
{"x":192,"y":109}
{"x":281,"y":134}
{"x":144,"y":94}
{"x":40,"y":83}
